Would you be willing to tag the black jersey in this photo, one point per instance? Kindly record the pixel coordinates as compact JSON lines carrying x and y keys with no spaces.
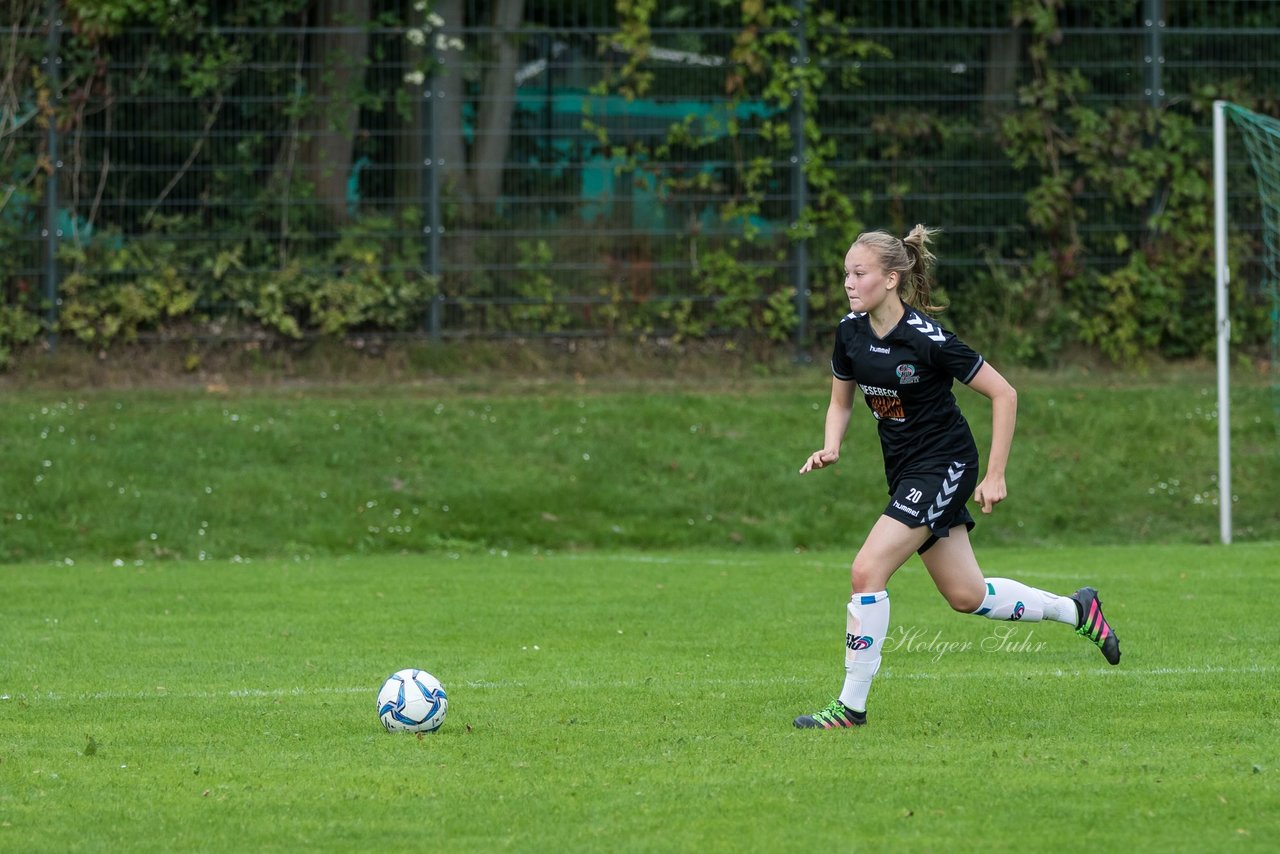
{"x":906,"y":380}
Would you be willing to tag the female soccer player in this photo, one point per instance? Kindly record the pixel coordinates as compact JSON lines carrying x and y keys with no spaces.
{"x":905,"y":362}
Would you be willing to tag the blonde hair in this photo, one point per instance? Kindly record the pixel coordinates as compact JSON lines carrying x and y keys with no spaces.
{"x":911,"y":259}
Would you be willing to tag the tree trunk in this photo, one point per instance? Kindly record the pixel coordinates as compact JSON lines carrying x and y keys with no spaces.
{"x":1000,"y":92}
{"x":493,"y":124}
{"x":337,"y":57}
{"x":450,"y":145}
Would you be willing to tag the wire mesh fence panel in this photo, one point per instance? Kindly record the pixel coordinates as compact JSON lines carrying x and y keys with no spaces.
{"x":26,"y":210}
{"x":570,"y":167}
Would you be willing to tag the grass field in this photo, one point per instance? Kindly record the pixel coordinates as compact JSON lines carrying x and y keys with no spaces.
{"x":629,"y":594}
{"x":632,"y":701}
{"x":331,"y":471}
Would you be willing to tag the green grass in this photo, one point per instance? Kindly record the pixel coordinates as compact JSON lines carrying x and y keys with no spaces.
{"x":632,"y":701}
{"x":138,"y":475}
{"x":629,"y":593}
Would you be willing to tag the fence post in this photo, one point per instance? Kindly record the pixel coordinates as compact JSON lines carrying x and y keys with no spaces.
{"x":1153,"y":19}
{"x":53,"y":69}
{"x":1153,"y":22}
{"x":799,"y":184}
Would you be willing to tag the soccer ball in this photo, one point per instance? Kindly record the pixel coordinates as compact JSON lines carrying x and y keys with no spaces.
{"x":412,"y":701}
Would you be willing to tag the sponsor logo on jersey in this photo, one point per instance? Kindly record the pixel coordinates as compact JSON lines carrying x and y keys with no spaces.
{"x":907,"y":374}
{"x":857,"y":642}
{"x":885,"y":350}
{"x":884,"y":403}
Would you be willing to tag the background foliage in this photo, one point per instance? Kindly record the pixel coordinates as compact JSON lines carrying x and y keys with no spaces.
{"x":628,"y":167}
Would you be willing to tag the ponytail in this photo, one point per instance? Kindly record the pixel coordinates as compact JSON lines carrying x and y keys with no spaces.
{"x":917,"y":280}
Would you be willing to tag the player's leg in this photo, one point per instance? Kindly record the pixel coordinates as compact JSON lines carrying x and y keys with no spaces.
{"x":954,"y":569}
{"x":886,"y":548}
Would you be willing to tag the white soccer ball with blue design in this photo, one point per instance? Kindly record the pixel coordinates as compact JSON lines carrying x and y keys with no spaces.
{"x":412,"y":701}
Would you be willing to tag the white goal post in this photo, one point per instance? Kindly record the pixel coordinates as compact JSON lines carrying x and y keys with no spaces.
{"x":1223,"y":318}
{"x":1260,"y":136}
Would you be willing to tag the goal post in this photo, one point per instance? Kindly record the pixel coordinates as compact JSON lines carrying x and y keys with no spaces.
{"x":1222,"y":276}
{"x":1261,"y":136}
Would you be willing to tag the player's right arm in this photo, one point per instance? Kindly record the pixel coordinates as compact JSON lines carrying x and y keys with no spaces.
{"x":838,"y":413}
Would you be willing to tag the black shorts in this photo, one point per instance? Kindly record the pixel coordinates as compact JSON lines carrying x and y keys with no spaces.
{"x":934,"y":497}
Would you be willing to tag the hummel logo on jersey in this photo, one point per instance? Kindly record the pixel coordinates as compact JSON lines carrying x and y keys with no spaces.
{"x":910,"y":511}
{"x":932,"y":330}
{"x":885,"y":350}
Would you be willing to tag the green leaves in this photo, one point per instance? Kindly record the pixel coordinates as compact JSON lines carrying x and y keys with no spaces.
{"x":779,"y":61}
{"x":116,"y":290}
{"x":1131,"y":180}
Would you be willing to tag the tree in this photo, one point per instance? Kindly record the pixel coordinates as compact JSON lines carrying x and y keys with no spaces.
{"x":476,"y":182}
{"x":336,"y":62}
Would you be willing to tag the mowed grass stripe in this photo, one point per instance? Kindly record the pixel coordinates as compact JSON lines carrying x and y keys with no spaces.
{"x":240,"y":694}
{"x":654,"y":714}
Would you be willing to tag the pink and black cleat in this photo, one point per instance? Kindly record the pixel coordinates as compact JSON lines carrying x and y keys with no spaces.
{"x":1094,"y":626}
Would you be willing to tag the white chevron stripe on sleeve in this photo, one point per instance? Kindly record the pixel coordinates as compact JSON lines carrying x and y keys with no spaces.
{"x":932,"y":330}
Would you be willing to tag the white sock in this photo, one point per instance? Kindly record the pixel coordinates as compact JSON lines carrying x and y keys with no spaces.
{"x":867,"y":625}
{"x":1007,"y":599}
{"x":1061,"y":609}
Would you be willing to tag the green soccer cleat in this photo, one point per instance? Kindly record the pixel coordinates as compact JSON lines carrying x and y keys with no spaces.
{"x":834,"y":716}
{"x":1094,"y":626}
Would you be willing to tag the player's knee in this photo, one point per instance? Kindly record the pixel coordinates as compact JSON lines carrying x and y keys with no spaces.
{"x":866,"y":577}
{"x":965,"y":600}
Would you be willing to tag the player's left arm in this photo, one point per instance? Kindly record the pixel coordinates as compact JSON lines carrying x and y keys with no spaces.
{"x":1004,"y":415}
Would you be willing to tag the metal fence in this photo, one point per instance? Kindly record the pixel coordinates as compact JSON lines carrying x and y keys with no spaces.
{"x":477,"y":146}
